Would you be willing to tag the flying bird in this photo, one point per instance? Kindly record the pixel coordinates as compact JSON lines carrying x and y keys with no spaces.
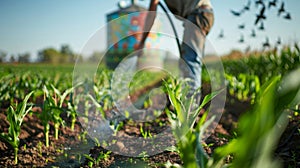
{"x":288,"y":16}
{"x":259,"y":2}
{"x":278,"y":42}
{"x":235,"y":13}
{"x":253,"y":34}
{"x":241,"y":40}
{"x":247,"y":7}
{"x":281,"y":9}
{"x":272,"y":3}
{"x":221,"y":35}
{"x":261,"y":27}
{"x":266,"y":43}
{"x":242,"y":26}
{"x":261,"y":15}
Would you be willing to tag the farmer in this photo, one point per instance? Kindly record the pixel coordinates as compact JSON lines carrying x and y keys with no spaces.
{"x":198,"y":18}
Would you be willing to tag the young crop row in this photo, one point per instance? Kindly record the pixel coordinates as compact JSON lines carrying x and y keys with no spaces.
{"x":244,"y":77}
{"x":266,"y":81}
{"x":52,"y":108}
{"x":258,"y":132}
{"x":53,"y":94}
{"x":21,"y":91}
{"x":272,"y":83}
{"x":16,"y":83}
{"x":266,"y":65}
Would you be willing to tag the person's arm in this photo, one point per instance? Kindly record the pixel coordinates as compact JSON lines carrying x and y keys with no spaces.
{"x":149,"y":22}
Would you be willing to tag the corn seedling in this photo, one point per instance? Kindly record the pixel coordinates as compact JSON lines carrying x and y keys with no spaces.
{"x":82,"y":137}
{"x":260,"y":130}
{"x":95,"y":161}
{"x":243,"y":86}
{"x":97,"y":143}
{"x":90,"y":160}
{"x":145,"y":134}
{"x":72,"y":112}
{"x":45,"y":116}
{"x":96,"y":104}
{"x":183,"y":121}
{"x":104,"y":155}
{"x":40,"y":145}
{"x":57,"y":120}
{"x":59,"y":99}
{"x":117,"y":126}
{"x":103,"y":96}
{"x":15,"y":118}
{"x":143,"y":155}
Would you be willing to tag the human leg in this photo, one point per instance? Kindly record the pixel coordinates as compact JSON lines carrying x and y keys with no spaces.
{"x":196,"y":27}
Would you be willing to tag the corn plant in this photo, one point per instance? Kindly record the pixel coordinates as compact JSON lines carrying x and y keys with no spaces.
{"x":72,"y":112}
{"x":56,"y":111}
{"x":266,"y":65}
{"x":15,"y":118}
{"x":244,"y":86}
{"x":52,"y":109}
{"x":57,"y":120}
{"x":103,"y":96}
{"x":145,"y":133}
{"x":260,"y":129}
{"x":95,"y":162}
{"x":56,"y":107}
{"x":45,"y":115}
{"x":96,"y":104}
{"x":7,"y":88}
{"x":183,"y":121}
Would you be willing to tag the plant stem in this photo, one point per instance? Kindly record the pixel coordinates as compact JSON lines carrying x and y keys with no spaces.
{"x":73,"y":123}
{"x":56,"y":126}
{"x":47,"y":135}
{"x":16,"y":155}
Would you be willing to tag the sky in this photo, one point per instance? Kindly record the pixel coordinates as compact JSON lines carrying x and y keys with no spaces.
{"x":32,"y":25}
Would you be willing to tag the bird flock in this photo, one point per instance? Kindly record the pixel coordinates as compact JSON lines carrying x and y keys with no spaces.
{"x":262,"y":7}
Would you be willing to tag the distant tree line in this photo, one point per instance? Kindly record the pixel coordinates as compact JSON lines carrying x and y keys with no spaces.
{"x":51,"y":55}
{"x":46,"y":55}
{"x":22,"y":58}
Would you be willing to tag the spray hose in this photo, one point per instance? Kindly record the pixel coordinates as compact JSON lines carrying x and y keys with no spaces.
{"x":173,"y":27}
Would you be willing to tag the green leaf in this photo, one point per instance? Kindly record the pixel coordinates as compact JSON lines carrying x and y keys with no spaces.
{"x":288,"y":91}
{"x":201,"y":155}
{"x":89,"y":157}
{"x":206,"y":99}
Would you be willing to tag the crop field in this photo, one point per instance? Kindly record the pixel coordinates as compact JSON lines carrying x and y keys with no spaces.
{"x":45,"y":118}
